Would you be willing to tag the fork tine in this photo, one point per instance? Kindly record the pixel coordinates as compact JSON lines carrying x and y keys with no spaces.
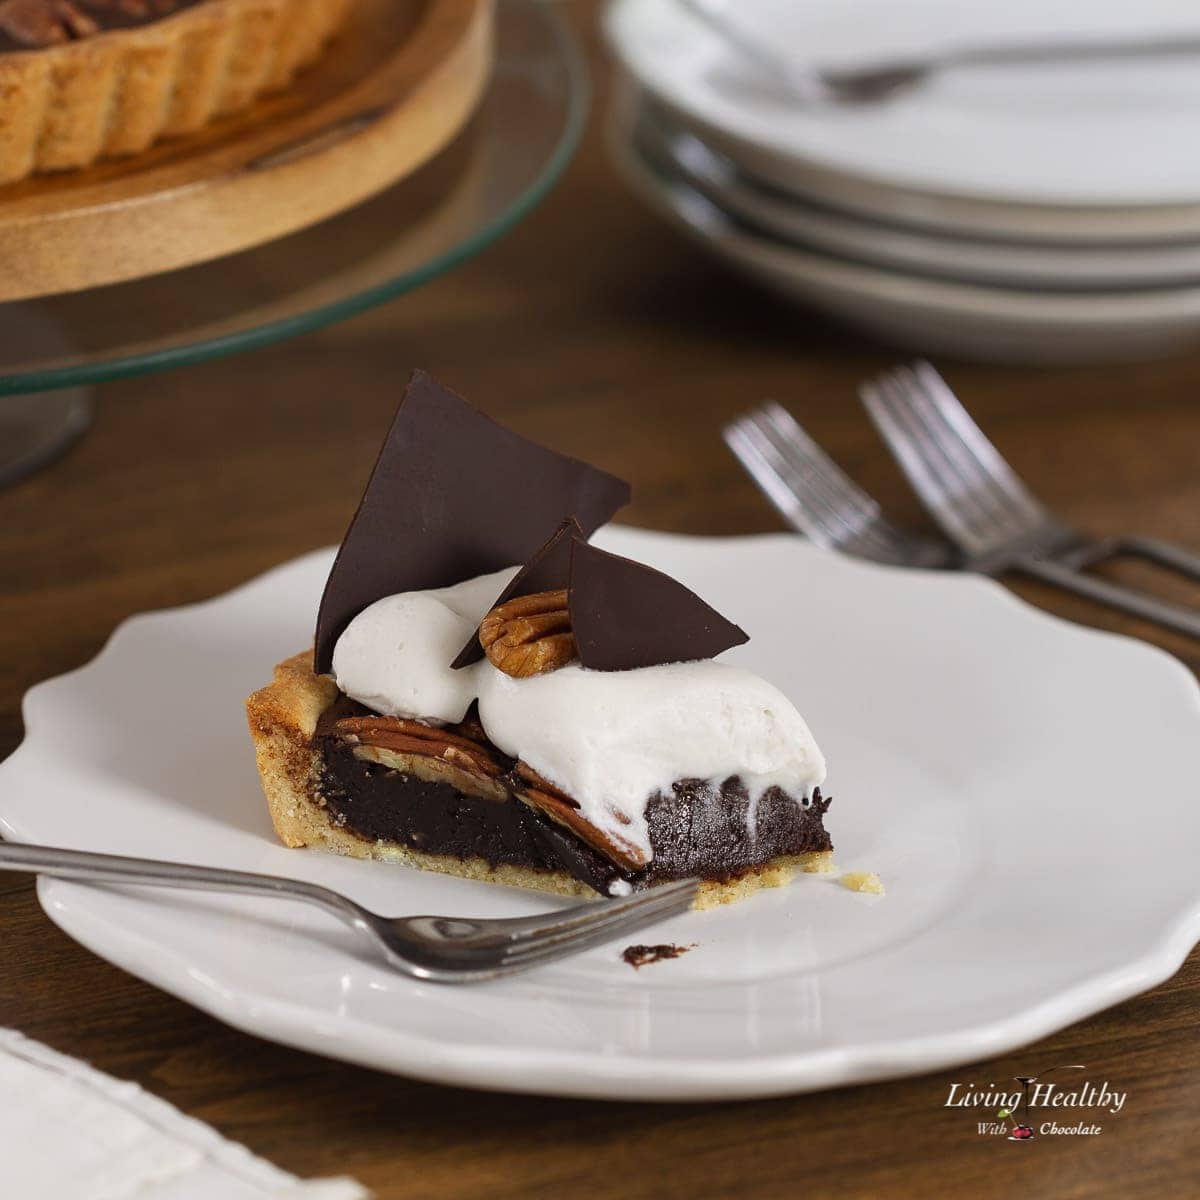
{"x":795,"y":439}
{"x":767,"y":468}
{"x":1005,"y":480}
{"x":901,"y":430}
{"x":861,"y":526}
{"x":805,"y":482}
{"x":1002,"y":514}
{"x":815,"y":495}
{"x":592,"y":914}
{"x":586,"y":941}
{"x":832,"y":509}
{"x":533,"y":953}
{"x":532,"y":950}
{"x":998,"y":517}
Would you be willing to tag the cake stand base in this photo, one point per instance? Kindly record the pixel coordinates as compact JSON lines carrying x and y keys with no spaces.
{"x":34,"y":428}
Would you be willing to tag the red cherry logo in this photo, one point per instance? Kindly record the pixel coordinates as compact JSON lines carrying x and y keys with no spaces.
{"x":1020,"y":1133}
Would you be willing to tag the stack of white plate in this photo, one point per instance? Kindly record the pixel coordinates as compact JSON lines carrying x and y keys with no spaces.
{"x":1044,"y":212}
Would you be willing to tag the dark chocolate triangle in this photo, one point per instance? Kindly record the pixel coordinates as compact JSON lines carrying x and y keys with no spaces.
{"x":547,"y":571}
{"x":452,"y":495}
{"x":626,"y":615}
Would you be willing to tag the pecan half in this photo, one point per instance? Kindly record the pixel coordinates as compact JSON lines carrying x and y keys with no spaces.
{"x":432,"y":754}
{"x":554,"y":803}
{"x":529,"y":635}
{"x":44,"y":22}
{"x":134,"y":8}
{"x":415,"y":737}
{"x":541,"y":784}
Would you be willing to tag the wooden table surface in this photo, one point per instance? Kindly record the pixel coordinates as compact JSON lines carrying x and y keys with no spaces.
{"x":596,"y":330}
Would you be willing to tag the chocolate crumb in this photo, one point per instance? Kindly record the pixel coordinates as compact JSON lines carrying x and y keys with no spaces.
{"x":640,"y":956}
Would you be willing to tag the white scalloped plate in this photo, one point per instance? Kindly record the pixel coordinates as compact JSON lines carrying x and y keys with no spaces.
{"x":1026,"y":788}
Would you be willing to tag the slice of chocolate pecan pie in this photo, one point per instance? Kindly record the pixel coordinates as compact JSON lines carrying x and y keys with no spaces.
{"x":560,"y":724}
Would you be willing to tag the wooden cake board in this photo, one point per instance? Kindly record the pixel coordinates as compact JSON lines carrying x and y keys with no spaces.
{"x":400,"y":80}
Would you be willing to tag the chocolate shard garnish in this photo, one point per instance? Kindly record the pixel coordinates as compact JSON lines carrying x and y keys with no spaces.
{"x":625,"y":615}
{"x":548,"y":570}
{"x":451,"y":496}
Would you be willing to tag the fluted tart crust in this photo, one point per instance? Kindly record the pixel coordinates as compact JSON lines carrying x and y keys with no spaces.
{"x":83,"y":80}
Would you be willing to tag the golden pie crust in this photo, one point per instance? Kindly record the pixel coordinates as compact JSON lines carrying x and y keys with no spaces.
{"x":121,"y":90}
{"x":283,"y":722}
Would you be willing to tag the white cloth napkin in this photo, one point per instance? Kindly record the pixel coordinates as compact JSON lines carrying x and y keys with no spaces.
{"x":68,"y":1132}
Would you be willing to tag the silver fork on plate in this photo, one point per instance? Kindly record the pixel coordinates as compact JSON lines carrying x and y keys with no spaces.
{"x":438,"y":949}
{"x":815,"y":496}
{"x":876,"y":82}
{"x":987,"y":511}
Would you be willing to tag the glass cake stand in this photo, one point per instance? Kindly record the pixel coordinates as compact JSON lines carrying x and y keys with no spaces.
{"x":493,"y":174}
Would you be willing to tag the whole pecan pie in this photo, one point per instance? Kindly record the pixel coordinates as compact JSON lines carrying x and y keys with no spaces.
{"x":82,"y":80}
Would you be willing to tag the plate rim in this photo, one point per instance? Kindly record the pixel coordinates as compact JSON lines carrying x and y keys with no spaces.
{"x":807,"y":223}
{"x":559,"y":1072}
{"x":985,"y":301}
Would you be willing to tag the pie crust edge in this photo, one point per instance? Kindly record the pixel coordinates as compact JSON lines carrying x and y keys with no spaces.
{"x":122,"y":90}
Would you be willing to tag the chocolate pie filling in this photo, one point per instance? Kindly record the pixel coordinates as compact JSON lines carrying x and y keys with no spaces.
{"x":696,"y":829}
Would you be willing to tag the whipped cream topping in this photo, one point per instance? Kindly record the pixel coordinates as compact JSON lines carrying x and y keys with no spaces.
{"x":395,"y":656}
{"x":609,"y":739}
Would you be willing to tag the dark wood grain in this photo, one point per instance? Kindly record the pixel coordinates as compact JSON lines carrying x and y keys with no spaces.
{"x":595,"y":329}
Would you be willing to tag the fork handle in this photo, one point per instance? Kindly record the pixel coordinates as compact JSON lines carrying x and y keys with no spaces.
{"x":1081,"y":50}
{"x":87,"y":867}
{"x":1115,"y":595}
{"x":1165,"y":554}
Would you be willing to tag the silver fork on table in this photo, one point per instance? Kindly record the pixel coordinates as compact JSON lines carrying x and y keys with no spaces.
{"x":988,"y":512}
{"x":814,"y":495}
{"x":438,"y":949}
{"x":817,"y":498}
